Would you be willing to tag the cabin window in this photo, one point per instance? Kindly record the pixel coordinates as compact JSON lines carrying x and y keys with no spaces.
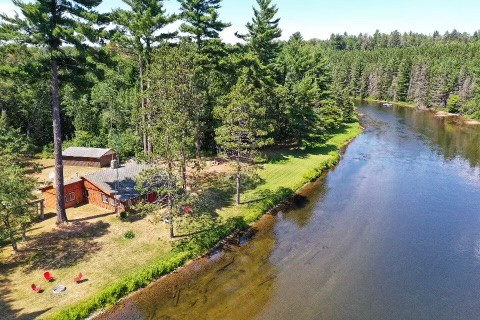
{"x":104,"y":198}
{"x":70,"y":197}
{"x":112,"y":202}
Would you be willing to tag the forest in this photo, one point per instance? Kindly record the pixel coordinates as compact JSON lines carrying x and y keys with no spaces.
{"x":119,"y":80}
{"x":429,"y":71}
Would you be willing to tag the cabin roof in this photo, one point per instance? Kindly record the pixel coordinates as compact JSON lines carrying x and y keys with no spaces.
{"x":127,"y":176}
{"x":82,"y":152}
{"x":65,"y":183}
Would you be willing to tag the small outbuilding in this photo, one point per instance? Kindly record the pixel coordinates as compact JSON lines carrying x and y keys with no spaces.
{"x":88,"y":157}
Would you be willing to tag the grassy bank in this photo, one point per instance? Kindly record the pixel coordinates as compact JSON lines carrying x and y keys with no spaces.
{"x":280,"y":176}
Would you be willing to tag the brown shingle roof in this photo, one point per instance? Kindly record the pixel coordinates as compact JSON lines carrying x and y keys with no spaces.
{"x":81,"y":152}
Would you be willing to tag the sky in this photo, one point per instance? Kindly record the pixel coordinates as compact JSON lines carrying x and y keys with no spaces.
{"x":320,"y":18}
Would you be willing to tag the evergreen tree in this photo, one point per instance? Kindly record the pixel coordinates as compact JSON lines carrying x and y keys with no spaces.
{"x":140,"y":28}
{"x":263,"y":32}
{"x":53,"y":24}
{"x":241,"y":131}
{"x":201,"y":21}
{"x":16,"y":191}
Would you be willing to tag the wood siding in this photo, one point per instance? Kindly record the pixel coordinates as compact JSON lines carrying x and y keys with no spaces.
{"x":76,"y":188}
{"x":89,"y":162}
{"x":95,"y":196}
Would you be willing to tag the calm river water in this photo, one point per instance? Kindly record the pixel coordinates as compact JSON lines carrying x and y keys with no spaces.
{"x":392,"y":233}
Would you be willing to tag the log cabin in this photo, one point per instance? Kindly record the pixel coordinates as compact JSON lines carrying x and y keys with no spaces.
{"x":102,"y":188}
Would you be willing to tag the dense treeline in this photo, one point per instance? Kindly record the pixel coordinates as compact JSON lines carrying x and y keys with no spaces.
{"x":429,"y":71}
{"x":100,"y":97}
{"x":118,"y":80}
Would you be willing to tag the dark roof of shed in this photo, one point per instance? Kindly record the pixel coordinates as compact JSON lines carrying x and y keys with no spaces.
{"x":127,"y":176}
{"x":81,"y":152}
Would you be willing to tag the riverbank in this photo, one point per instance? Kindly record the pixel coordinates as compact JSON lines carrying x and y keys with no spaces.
{"x":441,"y":113}
{"x":281,"y":175}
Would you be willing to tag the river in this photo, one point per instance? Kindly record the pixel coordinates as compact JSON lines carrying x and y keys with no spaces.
{"x":393,"y":232}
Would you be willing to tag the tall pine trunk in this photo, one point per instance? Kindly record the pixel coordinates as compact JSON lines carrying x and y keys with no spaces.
{"x":239,"y":178}
{"x":142,"y":98}
{"x":57,"y":137}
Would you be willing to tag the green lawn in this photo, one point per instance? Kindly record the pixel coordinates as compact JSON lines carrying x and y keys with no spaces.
{"x":289,"y":170}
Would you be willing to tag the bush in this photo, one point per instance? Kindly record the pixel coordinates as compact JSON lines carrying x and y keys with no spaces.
{"x":454,"y":103}
{"x":129,"y":235}
{"x":48,"y":151}
{"x":123,"y":215}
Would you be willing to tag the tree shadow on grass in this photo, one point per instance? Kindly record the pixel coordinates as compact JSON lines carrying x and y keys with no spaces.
{"x":7,"y":311}
{"x":63,"y":247}
{"x":219,"y":191}
{"x":281,"y":156}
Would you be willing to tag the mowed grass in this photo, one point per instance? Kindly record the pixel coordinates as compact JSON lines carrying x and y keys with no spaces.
{"x":94,"y":244}
{"x":291,"y":169}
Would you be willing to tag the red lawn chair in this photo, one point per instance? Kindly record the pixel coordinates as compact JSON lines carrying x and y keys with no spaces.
{"x":48,"y":276}
{"x":78,"y":278}
{"x":36,"y":288}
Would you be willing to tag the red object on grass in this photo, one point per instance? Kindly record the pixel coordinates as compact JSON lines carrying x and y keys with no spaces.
{"x":188,"y":210}
{"x":48,"y":276}
{"x":79,"y":277}
{"x":36,"y":288}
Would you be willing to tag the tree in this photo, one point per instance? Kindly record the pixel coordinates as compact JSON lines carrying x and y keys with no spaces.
{"x":306,"y":94}
{"x":175,"y":103}
{"x":242,"y":130}
{"x":454,"y":103}
{"x":140,"y":28}
{"x":15,"y":193}
{"x":263,"y":31}
{"x":200,"y":20}
{"x":201,"y":24}
{"x":54,"y":24}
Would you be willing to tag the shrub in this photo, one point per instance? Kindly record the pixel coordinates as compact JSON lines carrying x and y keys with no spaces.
{"x":129,"y":235}
{"x":123,"y":215}
{"x":454,"y":103}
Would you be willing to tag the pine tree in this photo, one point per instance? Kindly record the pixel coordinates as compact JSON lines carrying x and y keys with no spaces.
{"x":140,"y":31}
{"x":16,"y":190}
{"x":201,"y":21}
{"x":263,"y":32}
{"x":241,"y":131}
{"x":53,"y":25}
